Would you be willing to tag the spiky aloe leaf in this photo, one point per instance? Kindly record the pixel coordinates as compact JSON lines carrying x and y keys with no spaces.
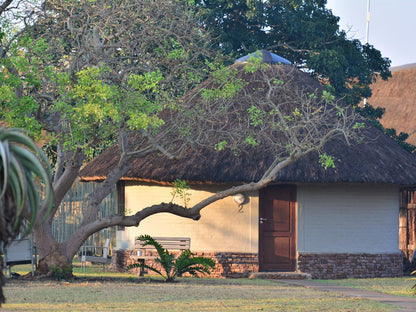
{"x":4,"y":154}
{"x":32,"y":165}
{"x":22,"y":161}
{"x":32,"y":195}
{"x":18,"y":182}
{"x":19,"y":137}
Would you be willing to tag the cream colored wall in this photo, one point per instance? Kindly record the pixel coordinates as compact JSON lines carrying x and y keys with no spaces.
{"x":221,"y":227}
{"x":330,"y":219}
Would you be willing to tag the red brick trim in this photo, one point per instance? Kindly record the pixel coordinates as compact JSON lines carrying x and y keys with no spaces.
{"x":228,"y":264}
{"x":324,"y":266}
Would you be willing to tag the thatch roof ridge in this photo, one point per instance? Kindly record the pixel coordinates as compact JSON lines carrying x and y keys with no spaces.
{"x":398,"y":96}
{"x":403,"y":67}
{"x":377,"y":159}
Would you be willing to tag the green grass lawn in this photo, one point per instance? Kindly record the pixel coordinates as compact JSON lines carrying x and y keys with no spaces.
{"x":188,"y":294}
{"x":95,"y":290}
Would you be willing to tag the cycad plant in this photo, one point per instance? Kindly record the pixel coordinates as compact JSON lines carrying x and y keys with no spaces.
{"x":22,"y":163}
{"x":185,"y":263}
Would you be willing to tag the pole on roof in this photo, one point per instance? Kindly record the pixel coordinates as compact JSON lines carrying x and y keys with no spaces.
{"x":368,"y":22}
{"x":367,"y":32}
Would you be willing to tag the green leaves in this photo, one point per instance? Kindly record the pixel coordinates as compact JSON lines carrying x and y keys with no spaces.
{"x":142,"y":103}
{"x":326,"y":161}
{"x":255,"y":62}
{"x":327,"y":96}
{"x":228,"y":85}
{"x":221,"y":145}
{"x":256,"y":116}
{"x":22,"y":164}
{"x":249,"y":140}
{"x":94,"y":107}
{"x":146,"y":82}
{"x":181,"y":189}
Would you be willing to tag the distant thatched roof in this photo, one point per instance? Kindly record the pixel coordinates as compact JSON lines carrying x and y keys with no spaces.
{"x":377,"y":159}
{"x":398,"y":96}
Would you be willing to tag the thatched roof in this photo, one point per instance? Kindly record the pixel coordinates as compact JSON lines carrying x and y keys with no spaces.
{"x":398,"y":96}
{"x":376,"y":159}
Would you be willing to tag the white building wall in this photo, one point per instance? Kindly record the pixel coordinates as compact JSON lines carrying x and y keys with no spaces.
{"x":348,"y":219}
{"x":221,"y":227}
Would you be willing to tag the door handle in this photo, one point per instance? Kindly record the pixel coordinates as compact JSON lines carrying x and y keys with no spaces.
{"x":262,"y":220}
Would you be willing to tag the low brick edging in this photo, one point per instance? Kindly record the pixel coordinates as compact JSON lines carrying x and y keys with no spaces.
{"x":322,"y":266}
{"x":227,"y":264}
{"x":233,"y":264}
{"x":345,"y":265}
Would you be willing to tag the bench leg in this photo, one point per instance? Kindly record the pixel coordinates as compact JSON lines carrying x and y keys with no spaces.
{"x":33,"y":266}
{"x":83,"y":263}
{"x":141,"y":261}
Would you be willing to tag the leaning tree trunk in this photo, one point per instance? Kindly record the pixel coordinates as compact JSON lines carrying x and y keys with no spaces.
{"x":55,"y":257}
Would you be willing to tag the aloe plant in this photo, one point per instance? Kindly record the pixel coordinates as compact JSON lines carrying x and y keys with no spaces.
{"x":22,"y":164}
{"x":172,"y":268}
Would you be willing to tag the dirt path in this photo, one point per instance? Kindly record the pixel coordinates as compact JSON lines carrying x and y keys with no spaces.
{"x":406,"y":304}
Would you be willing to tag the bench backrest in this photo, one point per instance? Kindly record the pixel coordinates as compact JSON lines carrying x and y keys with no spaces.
{"x":20,"y":250}
{"x":170,"y":243}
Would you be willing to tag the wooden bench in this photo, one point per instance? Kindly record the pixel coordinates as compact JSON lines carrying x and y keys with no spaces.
{"x":169,"y":243}
{"x":20,"y":252}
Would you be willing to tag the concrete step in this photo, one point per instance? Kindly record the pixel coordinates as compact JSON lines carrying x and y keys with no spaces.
{"x":280,"y":275}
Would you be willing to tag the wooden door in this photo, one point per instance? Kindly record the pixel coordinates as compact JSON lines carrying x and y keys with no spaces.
{"x":277,"y":226}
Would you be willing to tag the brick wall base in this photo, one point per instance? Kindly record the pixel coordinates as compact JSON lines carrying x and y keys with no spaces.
{"x":226,"y":264}
{"x":322,"y":266}
{"x":333,"y":266}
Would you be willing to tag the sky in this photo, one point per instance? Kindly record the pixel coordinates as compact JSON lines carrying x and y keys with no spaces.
{"x":392,"y":28}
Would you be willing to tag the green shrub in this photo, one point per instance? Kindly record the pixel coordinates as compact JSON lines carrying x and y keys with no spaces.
{"x":60,"y":274}
{"x":172,"y":268}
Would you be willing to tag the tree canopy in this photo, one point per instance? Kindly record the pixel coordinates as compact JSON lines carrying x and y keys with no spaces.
{"x":302,"y":31}
{"x":82,"y":75}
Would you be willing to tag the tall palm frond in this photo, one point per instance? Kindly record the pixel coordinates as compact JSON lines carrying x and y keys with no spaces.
{"x":188,"y":263}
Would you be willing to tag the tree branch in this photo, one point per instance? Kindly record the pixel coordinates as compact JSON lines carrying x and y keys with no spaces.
{"x":4,"y":6}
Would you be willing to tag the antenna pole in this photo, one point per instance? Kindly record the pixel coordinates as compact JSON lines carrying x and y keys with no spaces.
{"x":368,"y":22}
{"x":367,"y":31}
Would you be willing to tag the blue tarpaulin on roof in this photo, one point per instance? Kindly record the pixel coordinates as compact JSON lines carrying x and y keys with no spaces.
{"x":267,"y":56}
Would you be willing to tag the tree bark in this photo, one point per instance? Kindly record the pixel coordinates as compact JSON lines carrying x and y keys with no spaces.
{"x":51,"y":253}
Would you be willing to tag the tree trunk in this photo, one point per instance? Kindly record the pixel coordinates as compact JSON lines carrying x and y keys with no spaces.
{"x":55,"y":263}
{"x":52,"y":255}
